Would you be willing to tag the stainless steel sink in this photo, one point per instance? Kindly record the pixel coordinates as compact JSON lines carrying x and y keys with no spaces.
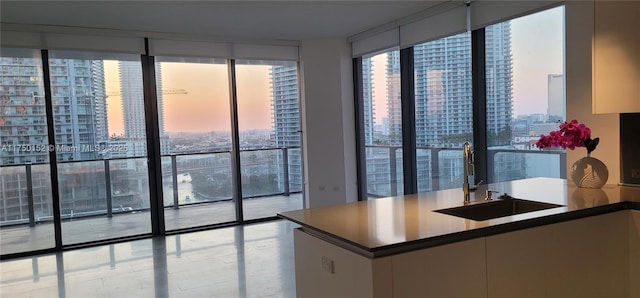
{"x":496,"y":208}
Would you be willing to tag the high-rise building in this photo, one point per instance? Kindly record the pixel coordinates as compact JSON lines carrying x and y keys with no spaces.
{"x":367,"y":99}
{"x":286,"y":107}
{"x":394,"y":108}
{"x":443,"y":88}
{"x":286,"y":121}
{"x":443,"y":106}
{"x":79,"y":108}
{"x":80,"y":123}
{"x":132,"y":93}
{"x":557,"y":104}
{"x":22,"y":110}
{"x":100,"y":93}
{"x":443,"y":91}
{"x":499,"y":81}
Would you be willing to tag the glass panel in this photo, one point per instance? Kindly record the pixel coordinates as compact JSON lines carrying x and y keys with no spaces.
{"x":295,"y":169}
{"x":26,"y":204}
{"x":260,"y":171}
{"x":382,"y":124}
{"x":525,"y":78}
{"x":193,"y":95}
{"x":269,"y":129}
{"x":444,"y":117}
{"x":98,"y":111}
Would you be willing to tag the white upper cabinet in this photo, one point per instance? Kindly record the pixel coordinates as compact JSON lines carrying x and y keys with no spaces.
{"x":616,"y":57}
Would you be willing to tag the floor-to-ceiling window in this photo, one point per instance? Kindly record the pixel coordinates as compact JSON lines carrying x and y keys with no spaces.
{"x":195,"y":138}
{"x":25,"y":186}
{"x":269,"y":135}
{"x":100,"y":141}
{"x":382,"y":124}
{"x":525,"y":95}
{"x":88,"y":177}
{"x":443,"y":109}
{"x":497,"y":87}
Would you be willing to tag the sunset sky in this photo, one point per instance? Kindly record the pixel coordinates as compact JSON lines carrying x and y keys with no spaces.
{"x":205,"y":107}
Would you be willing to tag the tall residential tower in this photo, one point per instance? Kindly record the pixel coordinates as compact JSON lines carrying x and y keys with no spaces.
{"x":286,"y":120}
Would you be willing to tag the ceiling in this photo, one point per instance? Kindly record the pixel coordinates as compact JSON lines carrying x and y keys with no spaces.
{"x":274,"y":20}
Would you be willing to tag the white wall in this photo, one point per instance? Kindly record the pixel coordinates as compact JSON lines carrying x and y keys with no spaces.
{"x":579,"y":40}
{"x":328,"y":122}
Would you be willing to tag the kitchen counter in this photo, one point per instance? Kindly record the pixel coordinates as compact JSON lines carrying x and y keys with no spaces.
{"x":389,"y":226}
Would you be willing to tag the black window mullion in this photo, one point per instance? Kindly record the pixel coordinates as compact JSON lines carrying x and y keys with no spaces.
{"x":409,"y":160}
{"x":53,"y":159}
{"x":153,"y":142}
{"x":478,"y":77}
{"x":361,"y":152}
{"x":235,"y":141}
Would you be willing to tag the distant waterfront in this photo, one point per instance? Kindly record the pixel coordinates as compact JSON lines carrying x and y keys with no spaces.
{"x":186,"y":195}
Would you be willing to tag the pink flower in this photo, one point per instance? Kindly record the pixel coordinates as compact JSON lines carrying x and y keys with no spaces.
{"x":571,"y":135}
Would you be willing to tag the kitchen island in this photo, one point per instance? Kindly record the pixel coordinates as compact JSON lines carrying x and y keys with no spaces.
{"x":400,"y":247}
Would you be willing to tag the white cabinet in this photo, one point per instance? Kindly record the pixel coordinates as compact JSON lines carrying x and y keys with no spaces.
{"x":616,"y":57}
{"x":587,"y":257}
{"x":516,"y":263}
{"x":452,"y":270}
{"x":597,"y":256}
{"x":326,"y":270}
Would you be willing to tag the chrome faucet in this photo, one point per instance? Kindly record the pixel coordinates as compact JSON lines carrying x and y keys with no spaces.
{"x":468,"y":170}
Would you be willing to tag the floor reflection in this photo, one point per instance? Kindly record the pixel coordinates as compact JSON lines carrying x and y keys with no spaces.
{"x":243,"y":261}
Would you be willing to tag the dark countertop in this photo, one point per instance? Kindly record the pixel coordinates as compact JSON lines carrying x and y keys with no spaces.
{"x":392,"y":225}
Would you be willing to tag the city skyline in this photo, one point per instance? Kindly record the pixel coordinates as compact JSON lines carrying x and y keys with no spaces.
{"x":538,"y":51}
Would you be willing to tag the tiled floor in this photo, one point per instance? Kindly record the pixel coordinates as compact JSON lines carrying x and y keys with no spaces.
{"x":243,"y":261}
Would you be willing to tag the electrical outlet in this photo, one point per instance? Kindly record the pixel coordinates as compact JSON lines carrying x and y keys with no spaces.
{"x":327,"y":264}
{"x":635,"y":173}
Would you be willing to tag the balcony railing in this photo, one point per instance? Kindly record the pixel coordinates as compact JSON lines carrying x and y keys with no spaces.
{"x":120,"y":185}
{"x":441,"y":168}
